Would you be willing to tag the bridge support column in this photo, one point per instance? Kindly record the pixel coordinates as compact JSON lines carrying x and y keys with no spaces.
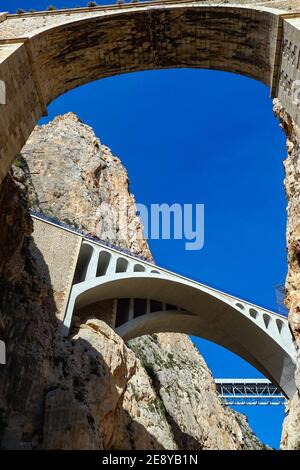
{"x":131,"y":310}
{"x":91,"y":272}
{"x":114,"y":313}
{"x":112,"y":266}
{"x":69,"y":314}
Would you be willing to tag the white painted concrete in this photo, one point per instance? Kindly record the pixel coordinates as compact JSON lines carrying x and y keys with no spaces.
{"x":258,"y":335}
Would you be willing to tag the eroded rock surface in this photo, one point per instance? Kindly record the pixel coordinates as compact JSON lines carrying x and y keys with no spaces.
{"x":291,"y":428}
{"x":91,"y":391}
{"x":70,"y":175}
{"x":187,"y":390}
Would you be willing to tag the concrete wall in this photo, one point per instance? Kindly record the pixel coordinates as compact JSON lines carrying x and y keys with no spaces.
{"x":60,"y":250}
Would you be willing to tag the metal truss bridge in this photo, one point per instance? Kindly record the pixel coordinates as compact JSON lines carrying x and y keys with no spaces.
{"x":249,"y":392}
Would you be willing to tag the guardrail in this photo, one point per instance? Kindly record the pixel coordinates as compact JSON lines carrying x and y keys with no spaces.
{"x":72,"y":229}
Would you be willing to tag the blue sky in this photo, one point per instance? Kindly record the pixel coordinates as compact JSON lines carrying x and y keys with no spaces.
{"x":199,"y":136}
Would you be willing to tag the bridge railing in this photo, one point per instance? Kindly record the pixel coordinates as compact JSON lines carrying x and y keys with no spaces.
{"x":86,"y":236}
{"x":94,"y":239}
{"x":249,"y":392}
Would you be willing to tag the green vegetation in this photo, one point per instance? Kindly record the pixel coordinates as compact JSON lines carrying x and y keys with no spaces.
{"x":149,"y":369}
{"x":19,"y":161}
{"x":151,"y":408}
{"x":21,"y":11}
{"x":133,"y":391}
{"x":68,"y":221}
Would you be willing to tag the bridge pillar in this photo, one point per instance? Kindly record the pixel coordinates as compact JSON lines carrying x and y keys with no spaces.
{"x":131,"y":309}
{"x":93,"y":265}
{"x":114,"y":314}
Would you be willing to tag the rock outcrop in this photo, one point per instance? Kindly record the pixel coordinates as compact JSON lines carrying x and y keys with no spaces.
{"x":291,"y":429}
{"x":90,"y":391}
{"x":187,"y":391}
{"x":27,"y":325}
{"x":72,"y":176}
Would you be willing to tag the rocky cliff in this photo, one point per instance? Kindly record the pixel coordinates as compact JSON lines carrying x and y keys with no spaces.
{"x":184,"y":384}
{"x":69,"y":174}
{"x":291,"y":429}
{"x":92,"y":391}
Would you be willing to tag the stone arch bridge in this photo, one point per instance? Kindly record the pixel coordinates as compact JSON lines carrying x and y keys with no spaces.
{"x":149,"y":299}
{"x":46,"y":54}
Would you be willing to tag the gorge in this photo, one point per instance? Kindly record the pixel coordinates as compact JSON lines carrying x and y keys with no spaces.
{"x":91,"y":391}
{"x":106,"y":398}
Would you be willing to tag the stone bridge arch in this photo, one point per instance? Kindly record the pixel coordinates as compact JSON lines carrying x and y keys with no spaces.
{"x":43,"y":55}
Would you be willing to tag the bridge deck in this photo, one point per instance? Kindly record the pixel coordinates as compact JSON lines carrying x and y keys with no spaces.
{"x":117,"y":249}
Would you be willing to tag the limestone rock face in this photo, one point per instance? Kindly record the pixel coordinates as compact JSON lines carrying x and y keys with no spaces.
{"x":72,"y":176}
{"x":91,"y":391}
{"x":291,"y":429}
{"x":187,"y":390}
{"x":292,"y":189}
{"x":27,"y":326}
{"x":107,"y":401}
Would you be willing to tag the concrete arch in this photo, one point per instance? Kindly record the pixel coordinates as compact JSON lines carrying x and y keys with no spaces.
{"x":202,"y":312}
{"x":44,"y":55}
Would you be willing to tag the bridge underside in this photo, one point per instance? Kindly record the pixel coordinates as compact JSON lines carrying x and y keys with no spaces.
{"x":186,"y":310}
{"x":44,"y":55}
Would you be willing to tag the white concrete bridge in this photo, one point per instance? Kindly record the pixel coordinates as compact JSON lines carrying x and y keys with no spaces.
{"x":149,"y":299}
